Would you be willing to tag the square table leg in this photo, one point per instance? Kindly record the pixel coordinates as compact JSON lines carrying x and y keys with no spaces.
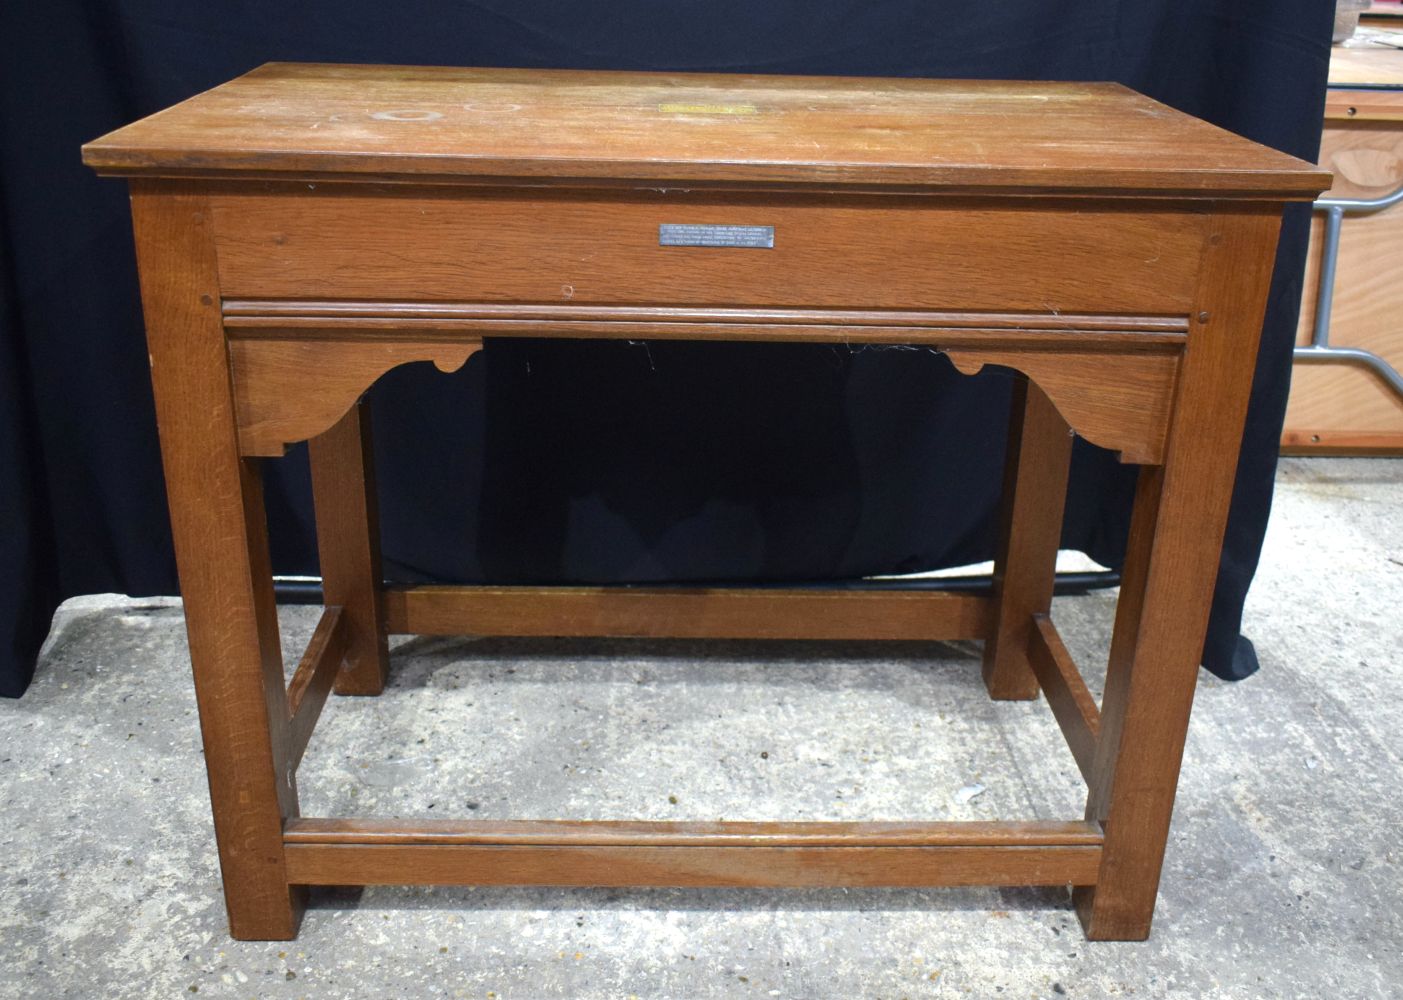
{"x":348,"y":546}
{"x":1171,"y":562}
{"x":1025,"y":567}
{"x":221,"y":546}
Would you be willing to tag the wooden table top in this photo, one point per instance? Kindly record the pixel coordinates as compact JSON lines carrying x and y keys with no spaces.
{"x":560,"y":126}
{"x":1363,"y":64}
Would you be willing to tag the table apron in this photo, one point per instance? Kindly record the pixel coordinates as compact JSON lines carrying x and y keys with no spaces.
{"x":1043,"y":257}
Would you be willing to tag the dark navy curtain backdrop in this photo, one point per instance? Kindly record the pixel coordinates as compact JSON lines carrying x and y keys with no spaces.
{"x":582,"y":461}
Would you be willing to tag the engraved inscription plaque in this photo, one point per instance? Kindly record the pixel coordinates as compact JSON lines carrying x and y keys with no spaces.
{"x":674,"y":234}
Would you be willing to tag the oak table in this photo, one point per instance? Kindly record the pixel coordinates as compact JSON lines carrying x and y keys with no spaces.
{"x":305,"y":228}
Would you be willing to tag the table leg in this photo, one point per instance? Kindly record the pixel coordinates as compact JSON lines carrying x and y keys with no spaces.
{"x":221,"y":547}
{"x":1035,"y":490}
{"x":348,"y":543}
{"x":1171,"y":563}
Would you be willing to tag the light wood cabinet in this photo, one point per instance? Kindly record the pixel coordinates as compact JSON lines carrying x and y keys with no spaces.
{"x":1339,"y":407}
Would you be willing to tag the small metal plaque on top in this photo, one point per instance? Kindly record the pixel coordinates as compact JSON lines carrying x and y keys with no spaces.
{"x":677,"y":234}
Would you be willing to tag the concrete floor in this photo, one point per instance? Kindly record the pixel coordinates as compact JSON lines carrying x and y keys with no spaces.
{"x":1282,"y":878}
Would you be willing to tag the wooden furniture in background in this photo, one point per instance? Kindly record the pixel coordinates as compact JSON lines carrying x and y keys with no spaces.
{"x":1338,"y":406}
{"x":303,"y":229}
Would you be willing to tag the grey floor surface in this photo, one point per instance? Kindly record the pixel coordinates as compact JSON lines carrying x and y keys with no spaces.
{"x":1282,"y":877}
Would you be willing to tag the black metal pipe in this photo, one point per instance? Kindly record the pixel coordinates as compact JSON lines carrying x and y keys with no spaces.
{"x":297,"y":591}
{"x":1081,"y":582}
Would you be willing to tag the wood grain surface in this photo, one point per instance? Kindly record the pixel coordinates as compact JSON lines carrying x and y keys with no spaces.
{"x":628,"y":852}
{"x":1036,"y":463}
{"x":1114,"y":387}
{"x":221,"y":549}
{"x":1073,"y":706}
{"x":1176,"y":537}
{"x":735,"y":833}
{"x":570,"y":248}
{"x":1106,"y":331}
{"x":313,"y":679}
{"x":1117,"y":401}
{"x":737,"y":867}
{"x":1364,"y":154}
{"x":277,"y":404}
{"x":1369,"y":65}
{"x":348,"y":546}
{"x":685,"y":612}
{"x":572,"y":126}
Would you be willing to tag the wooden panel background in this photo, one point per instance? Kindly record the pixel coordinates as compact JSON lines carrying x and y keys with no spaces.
{"x":1338,"y":407}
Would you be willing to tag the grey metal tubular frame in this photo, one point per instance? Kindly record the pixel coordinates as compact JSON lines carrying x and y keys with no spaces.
{"x":1319,"y":351}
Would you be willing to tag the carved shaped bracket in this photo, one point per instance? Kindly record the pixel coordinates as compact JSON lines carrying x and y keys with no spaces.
{"x":288,"y":390}
{"x":1114,"y":388}
{"x":1119,"y":401}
